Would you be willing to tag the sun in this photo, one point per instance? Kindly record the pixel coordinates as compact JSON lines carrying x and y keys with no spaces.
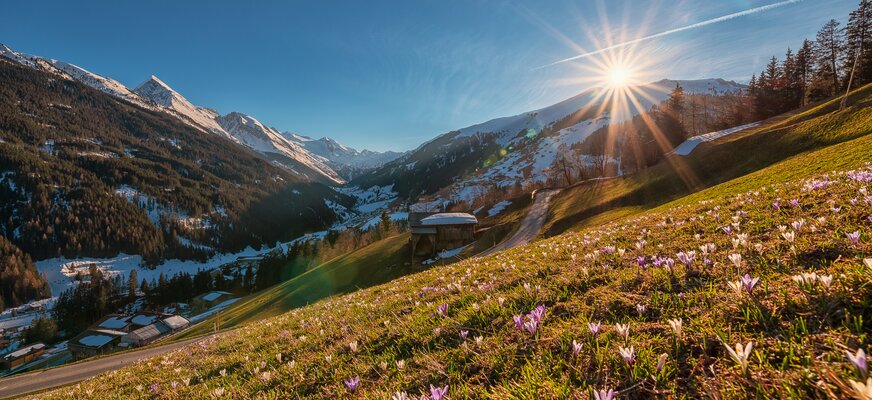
{"x":618,"y":76}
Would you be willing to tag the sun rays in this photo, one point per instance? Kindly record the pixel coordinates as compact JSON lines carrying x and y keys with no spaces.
{"x":619,"y":75}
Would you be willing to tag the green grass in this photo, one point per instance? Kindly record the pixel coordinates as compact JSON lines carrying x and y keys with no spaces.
{"x":377,"y":263}
{"x":783,"y":142}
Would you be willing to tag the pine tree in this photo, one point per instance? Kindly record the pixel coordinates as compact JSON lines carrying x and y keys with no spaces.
{"x":385,"y":221}
{"x":131,"y":286}
{"x":803,"y":68}
{"x":675,"y":104}
{"x":858,"y":43}
{"x":773,"y":75}
{"x":828,"y":50}
{"x":248,"y":279}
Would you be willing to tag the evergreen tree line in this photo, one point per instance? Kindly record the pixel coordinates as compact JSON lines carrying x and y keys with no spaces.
{"x":20,"y":282}
{"x":838,"y":56}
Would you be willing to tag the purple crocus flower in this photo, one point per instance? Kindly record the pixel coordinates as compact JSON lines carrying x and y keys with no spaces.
{"x":464,"y":334}
{"x":442,"y":309}
{"x":628,"y":354}
{"x":154,"y":387}
{"x":776,"y":205}
{"x":749,"y":282}
{"x":538,"y":313}
{"x":604,"y":395}
{"x":531,"y":326}
{"x":859,"y":360}
{"x":352,"y":383}
{"x":438,"y":393}
{"x":642,"y":261}
{"x":519,"y":322}
{"x":686,"y":258}
{"x":594,"y":328}
{"x":794,"y":203}
{"x":576,"y":347}
{"x":854,"y":237}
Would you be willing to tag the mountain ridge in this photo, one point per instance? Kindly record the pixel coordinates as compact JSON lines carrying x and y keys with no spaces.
{"x":511,"y":150}
{"x":155,"y":94}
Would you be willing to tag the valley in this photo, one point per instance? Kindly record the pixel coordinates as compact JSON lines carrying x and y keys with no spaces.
{"x":627,"y":236}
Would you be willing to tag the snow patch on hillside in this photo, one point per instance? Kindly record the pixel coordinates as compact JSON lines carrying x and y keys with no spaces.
{"x":498,"y":208}
{"x":689,"y":145}
{"x":375,"y":221}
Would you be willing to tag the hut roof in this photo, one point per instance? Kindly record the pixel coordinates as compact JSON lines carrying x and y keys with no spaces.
{"x":449,"y":219}
{"x":175,"y":322}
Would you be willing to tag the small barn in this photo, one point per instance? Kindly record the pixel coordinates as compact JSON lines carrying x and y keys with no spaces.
{"x":94,"y":342}
{"x":157,"y":330}
{"x":435,"y":232}
{"x":23,"y":356}
{"x":209,"y":300}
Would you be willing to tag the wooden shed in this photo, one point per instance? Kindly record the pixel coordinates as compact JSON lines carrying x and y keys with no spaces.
{"x":435,"y":232}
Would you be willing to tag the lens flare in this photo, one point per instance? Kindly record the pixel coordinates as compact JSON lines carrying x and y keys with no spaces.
{"x":618,"y":76}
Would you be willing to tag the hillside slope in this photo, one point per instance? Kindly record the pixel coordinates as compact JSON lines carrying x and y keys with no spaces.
{"x":518,"y":149}
{"x":84,"y":174}
{"x":714,"y":162}
{"x":650,"y":306}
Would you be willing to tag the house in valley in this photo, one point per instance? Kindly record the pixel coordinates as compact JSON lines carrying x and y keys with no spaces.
{"x":93,"y":342}
{"x":23,"y":356}
{"x":435,"y":232}
{"x":209,"y":300}
{"x":149,"y":333}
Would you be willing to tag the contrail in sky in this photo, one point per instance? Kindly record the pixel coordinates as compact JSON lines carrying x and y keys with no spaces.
{"x":676,"y":30}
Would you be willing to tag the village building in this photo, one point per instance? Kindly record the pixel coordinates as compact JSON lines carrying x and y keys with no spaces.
{"x":435,"y":232}
{"x":23,"y":356}
{"x":143,"y":319}
{"x":94,"y":342}
{"x":152,"y":332}
{"x":208,"y":300}
{"x":115,"y":322}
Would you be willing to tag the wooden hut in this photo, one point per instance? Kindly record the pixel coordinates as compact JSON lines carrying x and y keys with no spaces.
{"x":435,"y":232}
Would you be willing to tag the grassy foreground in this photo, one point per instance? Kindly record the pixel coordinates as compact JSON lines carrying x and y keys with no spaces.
{"x":651,"y":306}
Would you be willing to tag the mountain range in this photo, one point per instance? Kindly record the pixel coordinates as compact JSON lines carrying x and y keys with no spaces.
{"x":464,"y":164}
{"x":320,"y":161}
{"x":459,"y":166}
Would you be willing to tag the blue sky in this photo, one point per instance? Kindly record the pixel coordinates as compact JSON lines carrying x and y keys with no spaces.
{"x":392,"y":74}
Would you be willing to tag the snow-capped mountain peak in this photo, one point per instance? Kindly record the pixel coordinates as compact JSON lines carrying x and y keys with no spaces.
{"x":159,"y":92}
{"x":252,"y":133}
{"x":341,"y":156}
{"x":155,"y":94}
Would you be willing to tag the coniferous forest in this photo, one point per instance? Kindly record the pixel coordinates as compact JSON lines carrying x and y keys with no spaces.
{"x":85,"y":174}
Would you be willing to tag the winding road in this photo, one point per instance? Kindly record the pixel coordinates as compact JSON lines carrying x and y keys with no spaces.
{"x":531,"y":225}
{"x":18,"y":385}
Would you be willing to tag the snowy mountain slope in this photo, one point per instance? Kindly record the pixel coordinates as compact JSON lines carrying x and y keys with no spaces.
{"x":252,"y":133}
{"x":539,"y":119}
{"x":99,"y":82}
{"x":339,"y":155}
{"x":158,"y":92}
{"x":466,"y":163}
{"x":156,"y":95}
